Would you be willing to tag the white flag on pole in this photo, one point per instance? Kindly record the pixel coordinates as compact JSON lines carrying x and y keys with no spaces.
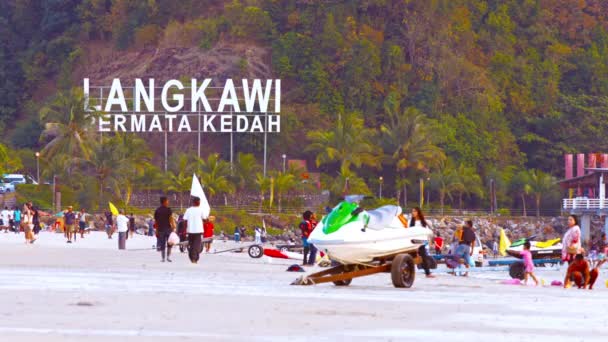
{"x":197,"y":191}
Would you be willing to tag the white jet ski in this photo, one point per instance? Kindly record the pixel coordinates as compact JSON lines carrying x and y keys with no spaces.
{"x":349,"y":234}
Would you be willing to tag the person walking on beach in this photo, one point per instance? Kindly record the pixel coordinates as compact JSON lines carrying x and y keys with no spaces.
{"x":151,"y":227}
{"x":237,"y":234}
{"x":5,"y":215}
{"x":258,"y":235}
{"x":36,"y":222}
{"x":572,"y":240}
{"x":122,"y":226}
{"x":208,"y":227}
{"x":579,"y":273}
{"x":163,"y":217}
{"x":182,"y":233}
{"x":467,"y":243}
{"x":418,"y":220}
{"x":526,"y":256}
{"x":26,"y":221}
{"x":109,"y":224}
{"x":69,"y":219}
{"x":193,"y":219}
{"x":17,"y":219}
{"x":131,"y":225}
{"x":82,"y":222}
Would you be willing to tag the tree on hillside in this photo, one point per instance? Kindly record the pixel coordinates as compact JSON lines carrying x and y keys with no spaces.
{"x":69,"y":129}
{"x":349,"y":143}
{"x":9,"y":161}
{"x":180,"y":175}
{"x":263,"y":186}
{"x":245,"y":167}
{"x":346,"y":182}
{"x":136,"y":156}
{"x":283,"y":183}
{"x":470,"y":183}
{"x":446,"y":181}
{"x":409,"y":140}
{"x":541,"y":184}
{"x":520,"y":186}
{"x":107,"y":164}
{"x":214,"y":175}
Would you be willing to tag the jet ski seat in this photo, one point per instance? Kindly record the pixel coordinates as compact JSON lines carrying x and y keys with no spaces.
{"x":382,"y":217}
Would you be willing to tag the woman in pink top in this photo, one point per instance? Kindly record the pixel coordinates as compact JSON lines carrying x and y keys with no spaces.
{"x":526,"y":255}
{"x":572,"y":240}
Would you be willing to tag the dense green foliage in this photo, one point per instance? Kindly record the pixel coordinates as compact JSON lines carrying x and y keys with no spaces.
{"x":460,"y":91}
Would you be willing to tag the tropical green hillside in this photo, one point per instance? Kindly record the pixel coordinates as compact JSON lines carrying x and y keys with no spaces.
{"x":382,"y":93}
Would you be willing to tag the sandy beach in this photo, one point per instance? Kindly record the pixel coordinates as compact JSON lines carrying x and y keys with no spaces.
{"x":90,"y":291}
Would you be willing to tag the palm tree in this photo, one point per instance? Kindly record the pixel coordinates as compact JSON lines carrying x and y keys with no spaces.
{"x":214,"y":175}
{"x":245,"y":167}
{"x":540,"y":184}
{"x":180,"y":183}
{"x":347,"y":182}
{"x":136,"y":155}
{"x":520,"y":185}
{"x":445,"y":180}
{"x":69,"y":129}
{"x":349,"y":143}
{"x":9,"y":161}
{"x":263,"y":185}
{"x":107,"y":164}
{"x":470,"y":183}
{"x":409,"y":140}
{"x":283,"y":183}
{"x":180,"y":174}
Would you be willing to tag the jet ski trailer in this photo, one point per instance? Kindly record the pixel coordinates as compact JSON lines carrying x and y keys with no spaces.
{"x":401,"y":265}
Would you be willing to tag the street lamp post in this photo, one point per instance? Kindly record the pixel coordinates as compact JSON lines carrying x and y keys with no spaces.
{"x":380,"y":181}
{"x":284,"y":156}
{"x":38,"y":167}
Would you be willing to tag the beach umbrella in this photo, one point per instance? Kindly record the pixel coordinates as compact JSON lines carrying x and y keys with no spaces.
{"x":113,"y":209}
{"x":196,"y":190}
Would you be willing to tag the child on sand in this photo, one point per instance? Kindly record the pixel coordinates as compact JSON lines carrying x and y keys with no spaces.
{"x":526,"y":255}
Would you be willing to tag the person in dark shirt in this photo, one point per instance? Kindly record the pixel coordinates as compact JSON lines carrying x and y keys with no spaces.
{"x":109,"y":224}
{"x":131,"y":225}
{"x":69,"y":223}
{"x":162,"y":218}
{"x":467,"y":243}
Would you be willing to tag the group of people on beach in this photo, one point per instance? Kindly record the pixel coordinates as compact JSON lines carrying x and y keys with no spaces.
{"x":24,"y":219}
{"x":192,"y":232}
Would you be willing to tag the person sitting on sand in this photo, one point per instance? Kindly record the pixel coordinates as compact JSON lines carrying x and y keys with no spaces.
{"x":579,"y":273}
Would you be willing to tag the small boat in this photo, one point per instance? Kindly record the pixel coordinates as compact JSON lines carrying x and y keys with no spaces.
{"x":350,"y":235}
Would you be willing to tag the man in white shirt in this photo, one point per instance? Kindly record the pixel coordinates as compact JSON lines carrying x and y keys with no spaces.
{"x":193,"y":219}
{"x":122,"y":226}
{"x":6,"y":218}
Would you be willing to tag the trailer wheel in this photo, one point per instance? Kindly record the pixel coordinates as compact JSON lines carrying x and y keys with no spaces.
{"x":344,"y":282}
{"x":256,"y":251}
{"x":516,"y":270}
{"x":403,"y":271}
